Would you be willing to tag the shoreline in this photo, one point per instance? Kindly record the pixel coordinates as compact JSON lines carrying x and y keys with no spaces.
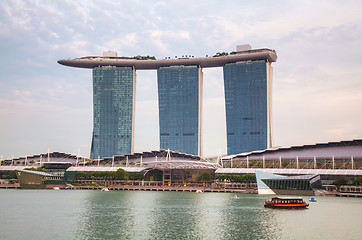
{"x":169,"y":189}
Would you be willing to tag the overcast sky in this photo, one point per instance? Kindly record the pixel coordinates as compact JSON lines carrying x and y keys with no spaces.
{"x":317,"y":88}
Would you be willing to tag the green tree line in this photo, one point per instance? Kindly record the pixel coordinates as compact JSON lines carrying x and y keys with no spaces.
{"x":357,"y":181}
{"x":246,"y":178}
{"x":120,"y":174}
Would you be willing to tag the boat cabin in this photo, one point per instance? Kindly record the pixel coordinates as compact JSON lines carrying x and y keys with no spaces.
{"x":286,"y":200}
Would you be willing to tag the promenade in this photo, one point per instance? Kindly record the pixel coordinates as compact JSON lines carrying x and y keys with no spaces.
{"x":165,"y":188}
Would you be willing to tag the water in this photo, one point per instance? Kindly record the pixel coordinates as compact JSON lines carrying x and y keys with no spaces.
{"x":83,"y":214}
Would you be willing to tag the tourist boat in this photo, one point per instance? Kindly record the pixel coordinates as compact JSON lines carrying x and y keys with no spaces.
{"x":286,"y":202}
{"x":104,"y":189}
{"x":199,"y":191}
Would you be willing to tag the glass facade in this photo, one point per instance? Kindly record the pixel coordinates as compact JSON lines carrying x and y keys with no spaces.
{"x":179,"y":99}
{"x":247,"y":103}
{"x":288,"y":184}
{"x":113,"y":111}
{"x":274,"y":182}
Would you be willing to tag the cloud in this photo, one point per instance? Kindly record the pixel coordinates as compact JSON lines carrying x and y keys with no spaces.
{"x":317,"y":78}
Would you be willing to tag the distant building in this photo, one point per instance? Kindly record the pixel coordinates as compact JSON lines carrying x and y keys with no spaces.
{"x":180,"y":101}
{"x":113,"y":111}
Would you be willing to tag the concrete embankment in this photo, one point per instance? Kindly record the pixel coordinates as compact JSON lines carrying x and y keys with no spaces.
{"x":165,"y":188}
{"x":10,"y":185}
{"x":348,"y":194}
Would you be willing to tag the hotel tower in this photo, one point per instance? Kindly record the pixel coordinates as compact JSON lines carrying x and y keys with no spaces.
{"x":248,"y":78}
{"x":114,"y":90}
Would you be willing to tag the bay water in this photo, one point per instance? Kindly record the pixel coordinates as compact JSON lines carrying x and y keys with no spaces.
{"x":91,"y":214}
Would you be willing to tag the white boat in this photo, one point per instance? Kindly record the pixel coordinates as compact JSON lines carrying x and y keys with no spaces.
{"x":56,"y":188}
{"x":105,"y":189}
{"x":199,"y":191}
{"x":235,"y":197}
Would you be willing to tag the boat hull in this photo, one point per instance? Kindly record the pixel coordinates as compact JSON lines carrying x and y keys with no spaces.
{"x":287,"y":206}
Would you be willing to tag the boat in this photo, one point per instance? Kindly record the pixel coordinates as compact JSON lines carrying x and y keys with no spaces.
{"x":105,"y":189}
{"x":56,"y":188}
{"x":199,"y":191}
{"x":312,"y":199}
{"x":235,"y":197}
{"x":286,"y":202}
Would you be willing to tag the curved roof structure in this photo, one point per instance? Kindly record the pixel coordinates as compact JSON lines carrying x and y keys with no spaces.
{"x":291,"y":171}
{"x":172,"y":164}
{"x":104,"y":169}
{"x":182,"y":165}
{"x":204,"y":62}
{"x":351,"y":143}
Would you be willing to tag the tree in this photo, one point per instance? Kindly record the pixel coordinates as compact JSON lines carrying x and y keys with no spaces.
{"x":341,"y":181}
{"x":219,"y":54}
{"x":285,"y":164}
{"x":259,"y":163}
{"x":246,"y":178}
{"x":121,"y":174}
{"x":206,"y":176}
{"x":136,"y":176}
{"x":357,"y":181}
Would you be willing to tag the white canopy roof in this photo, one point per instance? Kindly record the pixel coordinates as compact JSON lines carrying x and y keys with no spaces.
{"x":291,"y":171}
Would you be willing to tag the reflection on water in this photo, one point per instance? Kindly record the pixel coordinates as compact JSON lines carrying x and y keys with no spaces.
{"x":47,"y":214}
{"x":176,"y":215}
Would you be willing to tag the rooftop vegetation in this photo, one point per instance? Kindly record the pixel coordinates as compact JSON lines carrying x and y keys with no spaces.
{"x":138,"y":57}
{"x":39,"y":169}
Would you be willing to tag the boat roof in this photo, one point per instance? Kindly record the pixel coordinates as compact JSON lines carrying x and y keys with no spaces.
{"x":288,"y":198}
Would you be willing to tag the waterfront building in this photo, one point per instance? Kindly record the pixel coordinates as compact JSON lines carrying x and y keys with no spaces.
{"x":180,"y":104}
{"x":331,"y":156}
{"x":113,"y":111}
{"x":180,"y":100}
{"x":31,"y":179}
{"x":248,"y":88}
{"x":160,"y":167}
{"x":269,"y":183}
{"x":175,"y":168}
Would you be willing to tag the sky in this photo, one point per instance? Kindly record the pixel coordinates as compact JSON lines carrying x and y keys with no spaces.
{"x":44,"y":106}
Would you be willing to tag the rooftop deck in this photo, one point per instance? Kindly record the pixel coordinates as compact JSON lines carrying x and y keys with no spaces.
{"x":204,"y":62}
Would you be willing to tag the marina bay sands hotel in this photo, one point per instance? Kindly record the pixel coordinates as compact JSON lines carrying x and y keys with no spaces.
{"x":248,"y":78}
